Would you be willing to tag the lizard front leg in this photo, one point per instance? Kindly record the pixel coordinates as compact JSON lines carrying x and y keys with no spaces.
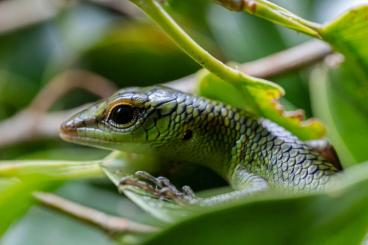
{"x":159,"y":187}
{"x":242,"y":181}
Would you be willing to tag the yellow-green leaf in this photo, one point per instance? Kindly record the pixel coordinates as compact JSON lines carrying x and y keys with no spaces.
{"x":349,"y":35}
{"x":260,"y":102}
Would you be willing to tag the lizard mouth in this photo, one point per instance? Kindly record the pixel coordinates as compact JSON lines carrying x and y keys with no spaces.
{"x":75,"y":131}
{"x":74,"y":137}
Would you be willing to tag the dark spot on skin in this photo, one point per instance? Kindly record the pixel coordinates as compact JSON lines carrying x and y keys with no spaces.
{"x":188,"y":134}
{"x":250,"y":5}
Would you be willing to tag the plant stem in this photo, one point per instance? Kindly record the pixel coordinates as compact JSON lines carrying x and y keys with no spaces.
{"x":200,"y":55}
{"x":106,"y":222}
{"x":58,"y":169}
{"x":274,"y":13}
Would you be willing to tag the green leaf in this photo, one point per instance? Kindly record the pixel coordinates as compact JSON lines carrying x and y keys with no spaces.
{"x":348,"y":34}
{"x":15,"y":199}
{"x":43,"y":226}
{"x":346,"y":120}
{"x":265,"y":100}
{"x":337,"y":216}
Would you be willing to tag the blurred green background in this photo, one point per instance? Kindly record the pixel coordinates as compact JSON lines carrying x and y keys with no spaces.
{"x":120,"y":44}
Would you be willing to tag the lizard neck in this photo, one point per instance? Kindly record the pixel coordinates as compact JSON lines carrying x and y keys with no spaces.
{"x":204,"y":132}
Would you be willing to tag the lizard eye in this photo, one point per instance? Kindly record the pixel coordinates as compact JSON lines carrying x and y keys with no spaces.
{"x":123,"y":116}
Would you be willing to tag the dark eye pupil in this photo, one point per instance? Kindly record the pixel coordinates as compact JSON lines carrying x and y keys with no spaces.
{"x":122,"y":114}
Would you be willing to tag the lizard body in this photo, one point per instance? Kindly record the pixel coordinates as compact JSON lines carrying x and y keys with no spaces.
{"x":250,"y":153}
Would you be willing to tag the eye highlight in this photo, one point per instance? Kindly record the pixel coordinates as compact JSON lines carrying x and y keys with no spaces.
{"x":123,"y":116}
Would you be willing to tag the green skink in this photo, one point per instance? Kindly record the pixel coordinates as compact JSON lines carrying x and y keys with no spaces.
{"x":252,"y":154}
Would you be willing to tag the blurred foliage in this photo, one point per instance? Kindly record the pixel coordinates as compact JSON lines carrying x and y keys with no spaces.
{"x":16,"y":198}
{"x":133,"y":51}
{"x":147,"y":47}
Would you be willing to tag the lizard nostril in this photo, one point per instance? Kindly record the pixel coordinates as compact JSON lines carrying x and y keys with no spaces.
{"x":73,"y":125}
{"x":68,"y":127}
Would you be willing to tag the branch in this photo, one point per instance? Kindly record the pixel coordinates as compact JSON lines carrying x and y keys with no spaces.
{"x":41,"y":125}
{"x":67,"y":81}
{"x":103,"y":221}
{"x":292,"y":59}
{"x":289,"y":60}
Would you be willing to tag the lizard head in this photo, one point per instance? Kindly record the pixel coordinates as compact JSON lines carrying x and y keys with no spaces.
{"x":133,"y":120}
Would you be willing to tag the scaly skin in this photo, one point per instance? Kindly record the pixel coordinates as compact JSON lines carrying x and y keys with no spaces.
{"x":174,"y":126}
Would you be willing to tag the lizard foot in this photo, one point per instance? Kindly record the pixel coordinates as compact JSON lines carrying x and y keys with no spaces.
{"x":160,"y":187}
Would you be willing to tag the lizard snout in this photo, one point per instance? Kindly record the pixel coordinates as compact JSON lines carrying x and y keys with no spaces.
{"x":69,"y":128}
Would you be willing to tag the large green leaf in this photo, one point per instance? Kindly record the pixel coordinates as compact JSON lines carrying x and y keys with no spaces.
{"x":348,"y":34}
{"x":336,"y":216}
{"x":346,"y":120}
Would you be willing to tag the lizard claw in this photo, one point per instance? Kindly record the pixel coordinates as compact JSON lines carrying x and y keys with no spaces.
{"x":160,"y":187}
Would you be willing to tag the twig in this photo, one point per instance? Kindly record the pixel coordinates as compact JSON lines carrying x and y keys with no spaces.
{"x":34,"y":123}
{"x":103,"y":221}
{"x":67,"y":81}
{"x":289,"y":60}
{"x":40,"y":125}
